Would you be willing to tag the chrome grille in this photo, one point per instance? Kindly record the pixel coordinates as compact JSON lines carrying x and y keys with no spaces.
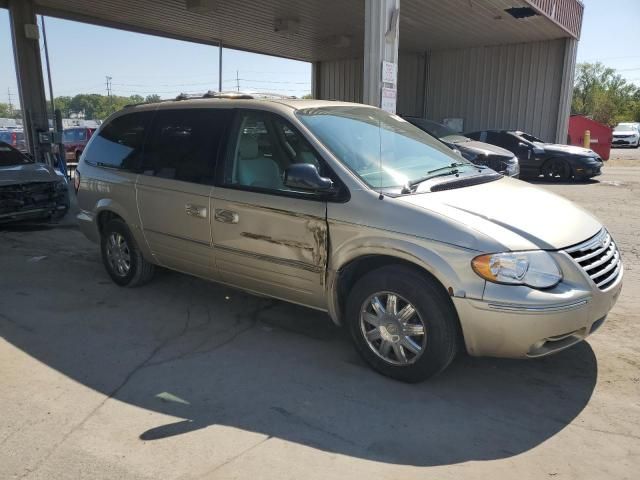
{"x":600,"y":258}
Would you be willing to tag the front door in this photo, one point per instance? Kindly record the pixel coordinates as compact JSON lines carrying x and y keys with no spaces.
{"x":268,"y":238}
{"x":175,"y":184}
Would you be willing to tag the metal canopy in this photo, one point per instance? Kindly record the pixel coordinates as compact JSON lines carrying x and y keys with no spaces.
{"x":319,"y":30}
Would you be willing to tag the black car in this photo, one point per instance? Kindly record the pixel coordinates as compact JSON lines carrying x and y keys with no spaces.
{"x":496,"y":158}
{"x":537,"y":157}
{"x":30,"y":190}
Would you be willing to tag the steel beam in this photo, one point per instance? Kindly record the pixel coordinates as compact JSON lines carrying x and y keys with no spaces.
{"x":26,"y":51}
{"x":381,"y":35}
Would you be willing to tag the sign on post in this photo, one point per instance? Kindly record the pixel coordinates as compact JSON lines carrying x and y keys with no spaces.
{"x":389,"y":90}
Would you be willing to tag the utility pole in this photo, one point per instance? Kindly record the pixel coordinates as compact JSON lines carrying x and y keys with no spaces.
{"x":10,"y":101}
{"x":108,"y":78}
{"x":237,"y":81}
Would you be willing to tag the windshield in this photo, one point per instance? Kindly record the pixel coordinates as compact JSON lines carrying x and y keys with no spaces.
{"x":530,"y":138}
{"x":438,"y":130}
{"x":623,"y":127}
{"x":74,"y":135}
{"x":384,"y":150}
{"x":10,"y":156}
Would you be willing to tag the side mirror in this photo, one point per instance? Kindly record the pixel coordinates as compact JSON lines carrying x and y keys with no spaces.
{"x":304,"y":176}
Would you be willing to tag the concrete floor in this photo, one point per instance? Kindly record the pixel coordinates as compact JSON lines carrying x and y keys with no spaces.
{"x":182,"y":379}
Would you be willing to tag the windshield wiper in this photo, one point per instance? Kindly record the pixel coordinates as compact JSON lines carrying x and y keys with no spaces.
{"x":451,"y":170}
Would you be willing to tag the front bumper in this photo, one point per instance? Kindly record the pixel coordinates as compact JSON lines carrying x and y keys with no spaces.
{"x":519,"y":322}
{"x":624,"y":142}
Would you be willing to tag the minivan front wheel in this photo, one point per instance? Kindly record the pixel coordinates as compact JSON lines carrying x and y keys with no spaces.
{"x":402,"y":323}
{"x":121,"y":257}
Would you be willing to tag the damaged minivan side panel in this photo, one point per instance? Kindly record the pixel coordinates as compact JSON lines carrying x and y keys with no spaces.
{"x":261,"y":245}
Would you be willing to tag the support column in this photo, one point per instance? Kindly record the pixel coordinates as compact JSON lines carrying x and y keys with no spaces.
{"x":381,"y":32}
{"x":315,"y":80}
{"x":566,"y":89}
{"x":26,"y":50}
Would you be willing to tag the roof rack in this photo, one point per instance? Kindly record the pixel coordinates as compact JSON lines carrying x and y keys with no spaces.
{"x":235,"y":95}
{"x":228,"y":95}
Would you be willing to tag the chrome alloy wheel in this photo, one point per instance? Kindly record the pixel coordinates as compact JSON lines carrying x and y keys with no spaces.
{"x":118,"y":254}
{"x":393,"y":328}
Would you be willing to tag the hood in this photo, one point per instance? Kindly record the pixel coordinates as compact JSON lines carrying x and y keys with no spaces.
{"x":515,"y":214}
{"x":480,"y":148}
{"x":569,"y":149}
{"x":30,"y":172}
{"x":620,"y":133}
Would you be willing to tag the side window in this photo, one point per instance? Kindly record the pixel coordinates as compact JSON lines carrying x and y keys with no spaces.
{"x":183,"y":144}
{"x":119,"y":143}
{"x":265,"y":146}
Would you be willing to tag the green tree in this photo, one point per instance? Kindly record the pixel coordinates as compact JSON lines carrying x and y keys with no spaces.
{"x":152,"y":98}
{"x":602,"y":94}
{"x":5,"y":112}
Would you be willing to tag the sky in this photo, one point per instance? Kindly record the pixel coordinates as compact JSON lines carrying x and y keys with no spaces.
{"x":83,"y":55}
{"x":611,"y":35}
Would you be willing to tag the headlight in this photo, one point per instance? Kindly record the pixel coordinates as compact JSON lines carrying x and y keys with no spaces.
{"x":513,"y":168}
{"x":535,"y":269}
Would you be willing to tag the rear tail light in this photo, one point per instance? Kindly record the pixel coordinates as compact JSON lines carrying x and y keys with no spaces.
{"x":76,"y":181}
{"x":14,"y":139}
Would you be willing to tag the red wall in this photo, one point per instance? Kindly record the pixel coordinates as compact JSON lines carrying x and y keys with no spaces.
{"x":600,"y":135}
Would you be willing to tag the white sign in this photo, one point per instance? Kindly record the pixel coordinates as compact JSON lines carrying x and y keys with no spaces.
{"x":388,"y":100}
{"x":389,"y":72}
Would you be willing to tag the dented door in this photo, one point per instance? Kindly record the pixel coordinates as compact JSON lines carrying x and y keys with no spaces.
{"x":271,"y":244}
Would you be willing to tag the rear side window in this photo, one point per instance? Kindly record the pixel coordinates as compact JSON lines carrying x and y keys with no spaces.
{"x":119,"y":143}
{"x":184,"y":144}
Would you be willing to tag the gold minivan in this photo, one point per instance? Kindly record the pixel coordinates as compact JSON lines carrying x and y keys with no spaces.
{"x":350,"y":210}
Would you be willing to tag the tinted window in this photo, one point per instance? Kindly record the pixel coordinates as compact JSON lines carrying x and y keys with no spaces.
{"x":265,"y":146}
{"x":119,"y":143}
{"x":184,"y":144}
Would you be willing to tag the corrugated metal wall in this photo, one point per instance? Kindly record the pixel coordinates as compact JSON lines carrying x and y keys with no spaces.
{"x":506,"y":86}
{"x":411,"y":84}
{"x":340,"y":80}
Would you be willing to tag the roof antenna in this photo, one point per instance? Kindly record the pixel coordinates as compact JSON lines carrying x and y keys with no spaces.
{"x":381,"y":196}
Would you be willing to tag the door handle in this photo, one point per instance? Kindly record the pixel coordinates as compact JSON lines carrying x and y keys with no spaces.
{"x":226,"y":216}
{"x":195,"y":210}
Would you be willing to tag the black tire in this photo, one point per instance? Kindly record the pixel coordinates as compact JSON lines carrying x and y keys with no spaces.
{"x":140,"y":271}
{"x":557,"y":169}
{"x":433,"y":307}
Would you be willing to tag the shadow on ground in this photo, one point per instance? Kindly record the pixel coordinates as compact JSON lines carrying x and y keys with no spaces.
{"x":546,"y":181}
{"x":211,"y":355}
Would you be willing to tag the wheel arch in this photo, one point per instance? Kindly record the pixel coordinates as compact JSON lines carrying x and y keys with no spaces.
{"x":353,"y":265}
{"x":107,"y":210}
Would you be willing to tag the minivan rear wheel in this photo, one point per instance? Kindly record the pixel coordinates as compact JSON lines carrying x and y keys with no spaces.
{"x":402,"y":323}
{"x":121,"y":256}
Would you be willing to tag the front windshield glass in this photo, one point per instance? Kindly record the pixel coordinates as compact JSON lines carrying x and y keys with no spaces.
{"x":531,"y":138}
{"x":10,"y":156}
{"x":438,"y":130}
{"x":623,"y":127}
{"x":384,"y":150}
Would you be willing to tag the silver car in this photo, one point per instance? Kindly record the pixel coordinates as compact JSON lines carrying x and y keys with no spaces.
{"x":346,"y":209}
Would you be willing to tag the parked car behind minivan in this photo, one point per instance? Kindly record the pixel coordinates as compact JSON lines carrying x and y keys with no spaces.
{"x":74,"y":140}
{"x":553,"y":161}
{"x":347,"y":209}
{"x":497,"y":158}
